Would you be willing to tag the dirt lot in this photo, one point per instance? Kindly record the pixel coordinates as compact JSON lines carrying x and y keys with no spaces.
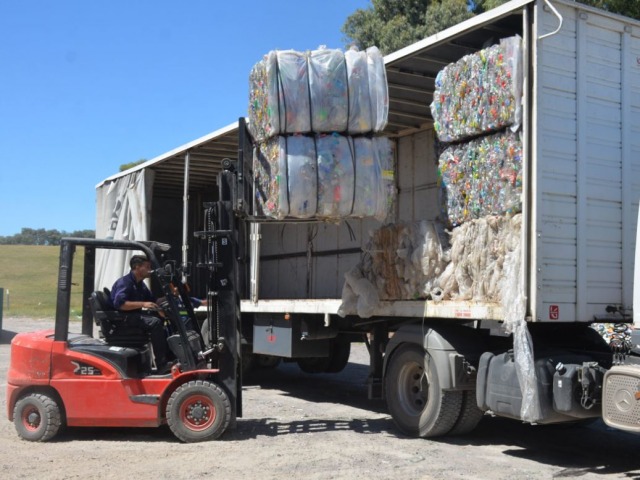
{"x":297,"y":425}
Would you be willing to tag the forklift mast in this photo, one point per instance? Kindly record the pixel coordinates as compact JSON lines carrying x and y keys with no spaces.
{"x":225,"y":259}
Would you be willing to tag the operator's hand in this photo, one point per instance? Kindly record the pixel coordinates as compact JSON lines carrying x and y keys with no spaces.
{"x":152,"y":306}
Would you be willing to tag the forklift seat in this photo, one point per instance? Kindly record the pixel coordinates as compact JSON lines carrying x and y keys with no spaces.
{"x":113,"y":323}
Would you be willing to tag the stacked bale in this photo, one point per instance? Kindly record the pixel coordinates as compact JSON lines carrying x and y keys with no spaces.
{"x":313,"y":116}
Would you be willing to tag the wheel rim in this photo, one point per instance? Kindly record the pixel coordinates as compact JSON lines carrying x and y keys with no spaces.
{"x":198,"y":413}
{"x":413,"y":388}
{"x":31,"y":418}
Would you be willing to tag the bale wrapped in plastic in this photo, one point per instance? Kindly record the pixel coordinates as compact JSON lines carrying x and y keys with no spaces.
{"x":335,"y":176}
{"x":481,"y":251}
{"x":482,"y":177}
{"x":322,"y":91}
{"x":479,"y":93}
{"x":329,"y":91}
{"x":279,"y":95}
{"x":328,"y":177}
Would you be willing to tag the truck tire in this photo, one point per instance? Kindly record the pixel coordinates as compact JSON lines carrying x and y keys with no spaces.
{"x":338,"y":358}
{"x":470,"y":414}
{"x":314,"y":364}
{"x":418,"y":406}
{"x":198,"y":411}
{"x":37,"y":417}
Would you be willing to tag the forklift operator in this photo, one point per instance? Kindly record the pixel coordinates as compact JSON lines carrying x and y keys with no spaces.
{"x":130,"y":294}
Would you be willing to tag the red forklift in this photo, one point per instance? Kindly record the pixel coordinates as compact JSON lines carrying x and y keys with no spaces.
{"x":58,"y":378}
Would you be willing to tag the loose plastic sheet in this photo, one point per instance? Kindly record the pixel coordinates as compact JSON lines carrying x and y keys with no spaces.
{"x":328,"y":177}
{"x":479,"y":93}
{"x":514,"y":310}
{"x":482,"y":177}
{"x":322,"y":91}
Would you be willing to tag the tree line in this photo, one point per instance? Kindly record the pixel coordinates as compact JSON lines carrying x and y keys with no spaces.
{"x":40,"y":236}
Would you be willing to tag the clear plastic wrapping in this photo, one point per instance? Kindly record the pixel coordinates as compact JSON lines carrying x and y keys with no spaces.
{"x":322,"y":91}
{"x":329,"y":91}
{"x":335,"y":176}
{"x":514,"y":310}
{"x":479,"y":93}
{"x":378,"y":89}
{"x":482,"y":177}
{"x":328,"y":177}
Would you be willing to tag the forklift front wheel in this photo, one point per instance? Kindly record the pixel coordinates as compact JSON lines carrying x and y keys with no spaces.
{"x":198,"y":411}
{"x":37,"y":417}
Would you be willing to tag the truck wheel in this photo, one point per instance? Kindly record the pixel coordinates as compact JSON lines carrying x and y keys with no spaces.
{"x":417,"y":405}
{"x":314,"y":364}
{"x":470,"y":414}
{"x":339,"y":356}
{"x":198,"y":411}
{"x":37,"y":417}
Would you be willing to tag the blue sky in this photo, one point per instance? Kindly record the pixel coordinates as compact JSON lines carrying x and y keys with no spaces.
{"x":86,"y":86}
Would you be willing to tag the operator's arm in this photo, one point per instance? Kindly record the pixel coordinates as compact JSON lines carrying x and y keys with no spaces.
{"x":137,"y":305}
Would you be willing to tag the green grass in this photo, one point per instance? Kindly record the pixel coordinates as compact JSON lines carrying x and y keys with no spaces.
{"x":29,"y":276}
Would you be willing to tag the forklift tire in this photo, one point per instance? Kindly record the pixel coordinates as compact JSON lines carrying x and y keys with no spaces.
{"x":198,"y":411}
{"x":418,"y":406}
{"x":37,"y":417}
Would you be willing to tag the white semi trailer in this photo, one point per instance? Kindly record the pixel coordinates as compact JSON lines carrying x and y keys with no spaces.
{"x":443,"y":363}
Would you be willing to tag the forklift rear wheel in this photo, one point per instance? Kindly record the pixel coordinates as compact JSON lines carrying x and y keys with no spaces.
{"x":198,"y":411}
{"x":37,"y":417}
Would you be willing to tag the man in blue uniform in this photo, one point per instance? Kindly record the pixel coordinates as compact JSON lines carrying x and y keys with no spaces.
{"x":129,"y":294}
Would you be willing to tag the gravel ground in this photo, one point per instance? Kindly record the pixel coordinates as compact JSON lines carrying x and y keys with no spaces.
{"x":298,"y":425}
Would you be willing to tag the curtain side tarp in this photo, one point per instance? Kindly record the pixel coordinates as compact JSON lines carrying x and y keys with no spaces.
{"x":123,"y":212}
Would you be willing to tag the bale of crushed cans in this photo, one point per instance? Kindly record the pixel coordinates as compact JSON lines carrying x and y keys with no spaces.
{"x":481,"y":177}
{"x":326,"y":177}
{"x":320,"y":91}
{"x":479,"y":93}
